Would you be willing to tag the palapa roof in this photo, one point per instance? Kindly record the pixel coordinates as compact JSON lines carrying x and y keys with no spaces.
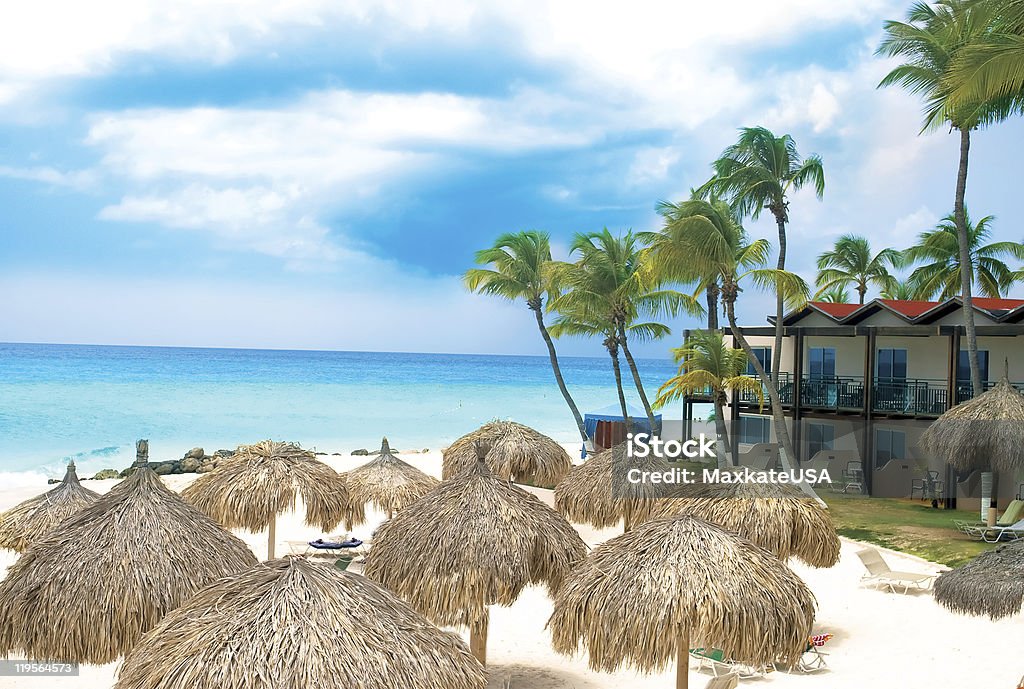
{"x":25,"y":523}
{"x":776,"y":517}
{"x":986,"y":432}
{"x":474,"y":541}
{"x":294,"y":624}
{"x":86,"y":592}
{"x":261,"y":481}
{"x":597,"y":492}
{"x":387,"y":482}
{"x":633,"y":598}
{"x":991,"y":584}
{"x":517,"y":452}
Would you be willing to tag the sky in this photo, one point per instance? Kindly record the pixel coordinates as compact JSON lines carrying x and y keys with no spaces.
{"x":318,"y":174}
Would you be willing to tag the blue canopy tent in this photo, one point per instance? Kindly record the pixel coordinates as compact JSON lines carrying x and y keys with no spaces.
{"x":613,"y":412}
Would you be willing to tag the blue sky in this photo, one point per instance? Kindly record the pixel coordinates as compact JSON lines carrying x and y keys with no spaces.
{"x":317,"y":175}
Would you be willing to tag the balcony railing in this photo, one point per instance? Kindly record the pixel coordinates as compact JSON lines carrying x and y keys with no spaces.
{"x":832,"y":392}
{"x":785,"y":392}
{"x":965,"y":391}
{"x":911,"y":397}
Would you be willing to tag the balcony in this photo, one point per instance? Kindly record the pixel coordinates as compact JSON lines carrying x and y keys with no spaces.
{"x":785,"y":392}
{"x":832,"y":392}
{"x":910,"y":397}
{"x":965,"y":391}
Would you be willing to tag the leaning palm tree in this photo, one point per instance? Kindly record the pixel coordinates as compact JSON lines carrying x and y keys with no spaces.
{"x":611,"y":281}
{"x":707,"y":363}
{"x":938,"y":252}
{"x":520,"y":263}
{"x":713,"y":239}
{"x":756,"y":173}
{"x":930,"y":42}
{"x":572,"y":322}
{"x":850,"y":262}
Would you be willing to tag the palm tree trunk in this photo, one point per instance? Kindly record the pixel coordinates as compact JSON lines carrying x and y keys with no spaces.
{"x":711,"y":294}
{"x":781,"y":431}
{"x":780,"y":307}
{"x":773,"y":394}
{"x":862,"y":290}
{"x":724,"y":459}
{"x":639,"y":384}
{"x":613,"y":351}
{"x":558,"y":372}
{"x":966,"y":268}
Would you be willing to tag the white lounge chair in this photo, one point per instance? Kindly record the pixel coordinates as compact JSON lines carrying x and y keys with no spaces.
{"x":879,"y":574}
{"x":724,"y":682}
{"x":994,"y":534}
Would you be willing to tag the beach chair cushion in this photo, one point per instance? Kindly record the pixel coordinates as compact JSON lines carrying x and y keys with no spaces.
{"x":321,"y":544}
{"x":1013,"y":514}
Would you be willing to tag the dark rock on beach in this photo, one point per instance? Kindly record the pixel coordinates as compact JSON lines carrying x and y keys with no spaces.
{"x":195,"y":453}
{"x":360,"y":452}
{"x":103,"y":474}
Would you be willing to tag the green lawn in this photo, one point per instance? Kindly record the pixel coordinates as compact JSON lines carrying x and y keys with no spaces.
{"x":910,"y":526}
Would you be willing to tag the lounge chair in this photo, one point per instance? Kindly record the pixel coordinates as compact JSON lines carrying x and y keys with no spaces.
{"x":724,"y":682}
{"x":1014,"y":513}
{"x":994,"y":534}
{"x":879,"y":574}
{"x":714,"y":659}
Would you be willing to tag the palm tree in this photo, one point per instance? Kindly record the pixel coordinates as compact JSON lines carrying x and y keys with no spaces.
{"x":931,"y":41}
{"x":707,"y":363}
{"x":757,"y":173}
{"x":899,"y":290}
{"x":715,"y":243}
{"x":610,"y":282}
{"x":834,"y":295}
{"x":850,"y":262}
{"x":521,"y":270}
{"x":993,"y":67}
{"x":939,"y":252}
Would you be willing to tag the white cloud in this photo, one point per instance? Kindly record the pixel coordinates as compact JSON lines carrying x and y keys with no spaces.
{"x":651,"y":164}
{"x":76,"y":179}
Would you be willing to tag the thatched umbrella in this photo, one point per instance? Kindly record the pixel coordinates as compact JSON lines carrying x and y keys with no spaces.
{"x":261,"y":481}
{"x":986,"y":432}
{"x":776,"y":517}
{"x":474,"y":541}
{"x":86,"y":592}
{"x":387,"y":482}
{"x":991,"y":584}
{"x":517,"y":452}
{"x":293,"y":624}
{"x":24,"y":523}
{"x":598,"y":492}
{"x":646,"y":597}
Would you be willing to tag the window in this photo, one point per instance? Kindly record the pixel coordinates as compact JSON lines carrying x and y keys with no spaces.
{"x":764,"y":355}
{"x":754,"y":429}
{"x":892,"y":364}
{"x":963,"y":367}
{"x":820,"y":436}
{"x":889,"y":445}
{"x":823,"y":362}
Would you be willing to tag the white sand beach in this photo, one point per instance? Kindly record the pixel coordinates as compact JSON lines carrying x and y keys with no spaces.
{"x":880,"y":639}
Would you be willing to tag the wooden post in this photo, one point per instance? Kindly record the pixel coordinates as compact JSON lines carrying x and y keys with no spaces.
{"x":271,"y":537}
{"x":627,"y":516}
{"x":683,"y":658}
{"x":478,"y":638}
{"x":390,"y":514}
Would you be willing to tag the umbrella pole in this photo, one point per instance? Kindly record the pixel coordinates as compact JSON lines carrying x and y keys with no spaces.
{"x":627,"y":517}
{"x":478,"y":638}
{"x":390,"y":514}
{"x":683,"y":658}
{"x":271,"y":537}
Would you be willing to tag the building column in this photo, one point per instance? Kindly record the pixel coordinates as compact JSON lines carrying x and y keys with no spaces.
{"x":798,"y":368}
{"x":869,"y":395}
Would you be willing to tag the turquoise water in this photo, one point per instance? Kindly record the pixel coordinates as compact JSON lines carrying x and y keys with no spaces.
{"x":90,"y":403}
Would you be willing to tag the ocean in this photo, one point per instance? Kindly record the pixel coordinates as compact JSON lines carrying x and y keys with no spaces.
{"x":90,"y":403}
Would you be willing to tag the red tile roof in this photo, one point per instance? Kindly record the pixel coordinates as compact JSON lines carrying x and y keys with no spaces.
{"x":910,"y":309}
{"x":834,"y":310}
{"x":997,"y":304}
